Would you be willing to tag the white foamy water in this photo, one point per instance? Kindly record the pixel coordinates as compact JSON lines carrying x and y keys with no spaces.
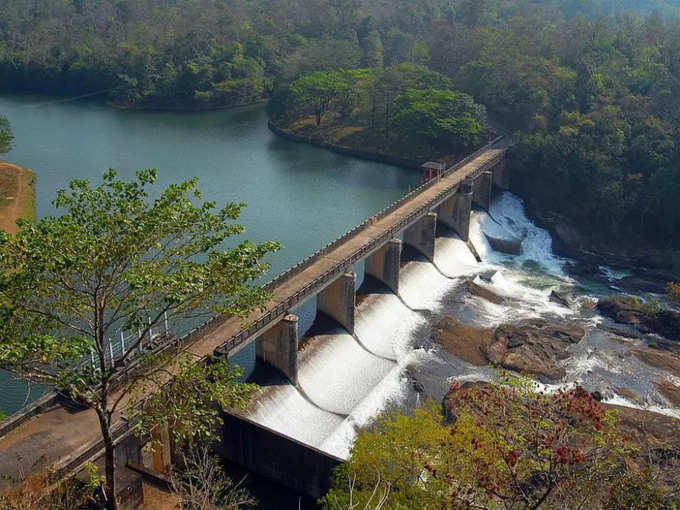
{"x":422,"y":286}
{"x":286,"y":411}
{"x":391,"y":390}
{"x":336,"y":373}
{"x":391,"y":339}
{"x":507,"y":219}
{"x":453,"y":257}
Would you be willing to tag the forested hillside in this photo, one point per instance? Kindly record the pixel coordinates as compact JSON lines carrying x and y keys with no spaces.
{"x":592,"y":88}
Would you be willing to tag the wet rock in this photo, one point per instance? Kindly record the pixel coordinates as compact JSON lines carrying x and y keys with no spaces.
{"x":509,"y":246}
{"x":625,"y":310}
{"x":670,"y":391}
{"x":418,"y":387}
{"x":667,"y":323}
{"x":484,"y":293}
{"x":535,"y":347}
{"x":636,"y":284}
{"x":597,"y":396}
{"x":623,"y":331}
{"x":560,"y":298}
{"x":468,"y":343}
{"x":659,"y":359}
{"x":582,"y":269}
{"x":654,"y":261}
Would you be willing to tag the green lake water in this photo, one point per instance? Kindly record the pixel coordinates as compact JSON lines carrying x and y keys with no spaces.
{"x":298,"y":195}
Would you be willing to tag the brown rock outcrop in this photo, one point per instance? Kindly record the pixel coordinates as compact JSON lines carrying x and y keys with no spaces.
{"x":535,"y":347}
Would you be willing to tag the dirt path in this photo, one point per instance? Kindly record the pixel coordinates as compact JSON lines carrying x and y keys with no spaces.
{"x":16,"y":196}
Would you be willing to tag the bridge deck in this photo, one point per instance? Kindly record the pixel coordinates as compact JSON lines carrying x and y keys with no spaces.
{"x":51,"y":437}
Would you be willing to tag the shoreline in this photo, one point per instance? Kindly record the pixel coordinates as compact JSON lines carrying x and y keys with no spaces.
{"x":17,"y":195}
{"x":343,"y":149}
{"x":182,"y":109}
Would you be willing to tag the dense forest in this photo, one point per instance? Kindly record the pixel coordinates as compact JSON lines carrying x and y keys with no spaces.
{"x":591,"y":87}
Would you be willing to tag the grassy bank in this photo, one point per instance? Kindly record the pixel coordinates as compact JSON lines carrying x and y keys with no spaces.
{"x":17,"y":195}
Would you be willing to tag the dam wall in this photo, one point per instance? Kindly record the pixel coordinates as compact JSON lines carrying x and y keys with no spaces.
{"x":275,"y":456}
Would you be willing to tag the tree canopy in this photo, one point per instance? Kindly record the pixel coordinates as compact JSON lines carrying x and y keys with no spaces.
{"x":590,"y":87}
{"x":117,"y":260}
{"x":505,"y":446}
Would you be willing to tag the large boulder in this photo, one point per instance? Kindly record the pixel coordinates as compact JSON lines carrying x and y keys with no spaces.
{"x":623,"y":310}
{"x":509,"y":246}
{"x":626,"y":310}
{"x":583,"y":269}
{"x":535,"y":347}
{"x":560,"y":298}
{"x":466,"y":342}
{"x":484,"y":293}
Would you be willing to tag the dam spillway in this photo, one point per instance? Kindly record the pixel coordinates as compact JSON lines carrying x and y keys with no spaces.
{"x":345,"y":380}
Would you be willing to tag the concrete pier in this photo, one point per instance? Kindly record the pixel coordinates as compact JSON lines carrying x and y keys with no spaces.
{"x":421,"y":235}
{"x":483,"y":190}
{"x":338,"y":300}
{"x":278,"y":347}
{"x":501,"y":178}
{"x":455,"y":212}
{"x":384,"y":264}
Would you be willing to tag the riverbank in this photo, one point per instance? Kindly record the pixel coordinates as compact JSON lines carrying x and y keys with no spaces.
{"x":356,"y":141}
{"x":17,"y":196}
{"x":185,"y":108}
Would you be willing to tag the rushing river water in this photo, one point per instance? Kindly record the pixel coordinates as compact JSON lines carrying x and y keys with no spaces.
{"x":298,"y":195}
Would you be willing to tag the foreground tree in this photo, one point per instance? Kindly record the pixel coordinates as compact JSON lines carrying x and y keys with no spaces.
{"x":202,"y":484}
{"x":5,"y":135}
{"x":509,"y":447}
{"x":113,"y":261}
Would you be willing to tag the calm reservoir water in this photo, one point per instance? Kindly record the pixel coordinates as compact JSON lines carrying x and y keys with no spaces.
{"x":298,"y":195}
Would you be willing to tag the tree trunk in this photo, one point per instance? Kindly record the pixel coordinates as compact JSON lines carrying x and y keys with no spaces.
{"x":110,"y":459}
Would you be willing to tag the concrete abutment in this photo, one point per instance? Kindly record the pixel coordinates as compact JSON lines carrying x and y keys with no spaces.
{"x":483,"y":190}
{"x":278,"y":347}
{"x":455,"y":211}
{"x":384,"y":264}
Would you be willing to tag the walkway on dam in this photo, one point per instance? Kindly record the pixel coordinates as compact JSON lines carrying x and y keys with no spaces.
{"x":57,"y":435}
